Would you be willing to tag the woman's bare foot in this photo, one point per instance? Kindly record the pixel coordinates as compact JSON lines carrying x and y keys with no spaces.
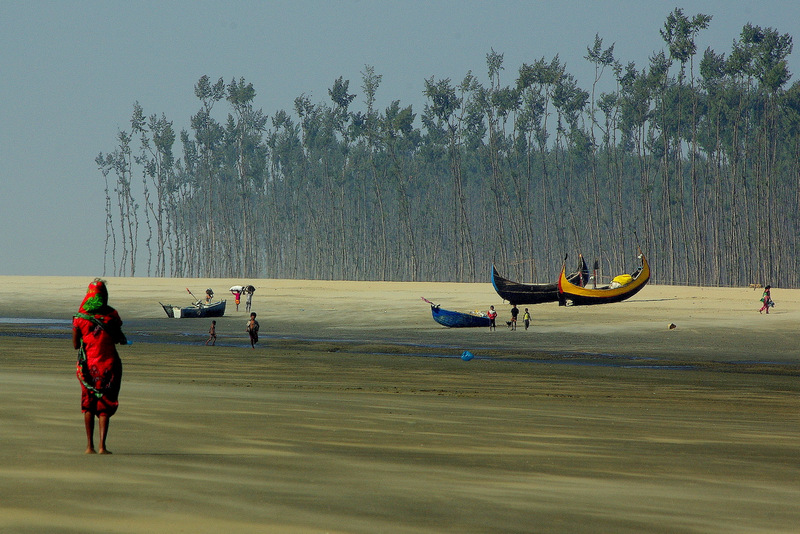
{"x":90,"y":450}
{"x":105,"y":451}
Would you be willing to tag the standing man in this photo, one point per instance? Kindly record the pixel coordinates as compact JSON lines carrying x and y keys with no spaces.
{"x":526,"y":318}
{"x":514,"y":314}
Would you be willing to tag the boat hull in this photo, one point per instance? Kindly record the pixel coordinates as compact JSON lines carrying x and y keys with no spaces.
{"x":453,"y":319}
{"x":216,"y":309}
{"x":517,"y":293}
{"x":585,"y":296}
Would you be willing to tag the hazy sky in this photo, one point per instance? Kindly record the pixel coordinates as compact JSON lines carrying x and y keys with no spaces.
{"x":70,"y":72}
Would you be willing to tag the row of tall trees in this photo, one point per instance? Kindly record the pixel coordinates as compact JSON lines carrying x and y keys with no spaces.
{"x":695,"y":158}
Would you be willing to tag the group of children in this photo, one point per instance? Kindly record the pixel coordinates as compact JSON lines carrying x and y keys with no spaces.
{"x":251,"y":328}
{"x":512,"y":324}
{"x":252,"y":325}
{"x":237,"y":297}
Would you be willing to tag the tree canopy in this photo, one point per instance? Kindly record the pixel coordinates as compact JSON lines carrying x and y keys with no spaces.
{"x":694,"y":158}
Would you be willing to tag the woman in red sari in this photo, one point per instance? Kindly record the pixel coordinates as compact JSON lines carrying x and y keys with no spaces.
{"x":96,"y":328}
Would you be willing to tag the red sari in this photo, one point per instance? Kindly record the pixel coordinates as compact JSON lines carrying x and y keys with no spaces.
{"x":99,"y":367}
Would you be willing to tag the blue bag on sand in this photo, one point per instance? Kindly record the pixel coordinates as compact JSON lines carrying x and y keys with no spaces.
{"x":467,"y":356}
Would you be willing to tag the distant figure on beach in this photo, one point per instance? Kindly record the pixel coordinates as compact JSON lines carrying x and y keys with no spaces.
{"x":209,"y":295}
{"x":212,"y":334}
{"x":492,"y":315}
{"x":96,"y":328}
{"x":248,"y":300}
{"x":252,"y":329}
{"x":514,"y":314}
{"x":237,"y":295}
{"x":526,"y":318}
{"x":766,"y":300}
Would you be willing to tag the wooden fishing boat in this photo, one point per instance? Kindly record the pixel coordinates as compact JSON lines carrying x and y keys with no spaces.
{"x":196,"y":310}
{"x":454,"y":319}
{"x":577,"y":295}
{"x":518,"y":293}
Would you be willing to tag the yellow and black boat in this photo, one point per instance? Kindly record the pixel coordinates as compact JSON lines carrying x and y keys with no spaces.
{"x":621,"y":288}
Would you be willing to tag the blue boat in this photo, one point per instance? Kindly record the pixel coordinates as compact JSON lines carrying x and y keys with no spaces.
{"x":454,"y":319}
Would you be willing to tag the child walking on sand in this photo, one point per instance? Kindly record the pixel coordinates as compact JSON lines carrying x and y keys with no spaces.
{"x":212,"y":334}
{"x":252,"y":329}
{"x":514,"y":314}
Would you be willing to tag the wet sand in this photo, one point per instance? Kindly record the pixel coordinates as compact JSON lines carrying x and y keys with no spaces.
{"x":356,"y":414}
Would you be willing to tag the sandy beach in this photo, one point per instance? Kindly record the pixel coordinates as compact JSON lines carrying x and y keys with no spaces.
{"x":356,"y":414}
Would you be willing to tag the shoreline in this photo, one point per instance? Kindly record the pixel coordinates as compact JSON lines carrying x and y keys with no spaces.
{"x":416,"y":350}
{"x":712,"y":324}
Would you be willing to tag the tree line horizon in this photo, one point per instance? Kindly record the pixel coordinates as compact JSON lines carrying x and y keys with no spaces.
{"x":692,"y":158}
